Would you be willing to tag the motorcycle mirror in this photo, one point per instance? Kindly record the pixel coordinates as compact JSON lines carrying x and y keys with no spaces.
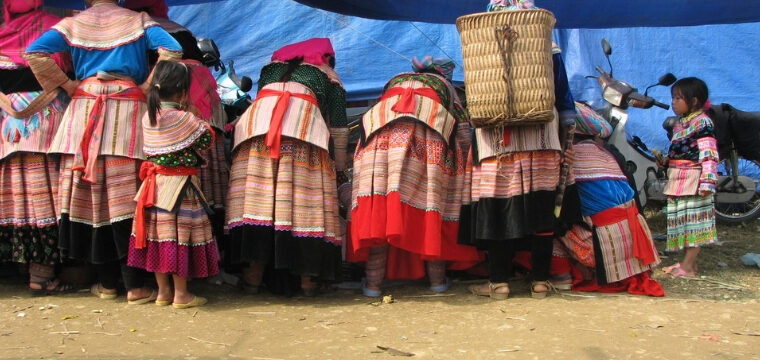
{"x":606,"y":47}
{"x":246,"y":84}
{"x":607,"y":52}
{"x":667,"y":79}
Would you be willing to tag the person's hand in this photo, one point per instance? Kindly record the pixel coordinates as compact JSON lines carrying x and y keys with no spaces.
{"x":662,"y":162}
{"x":705,"y":193}
{"x":145,"y":87}
{"x":569,"y":156}
{"x":70,"y":86}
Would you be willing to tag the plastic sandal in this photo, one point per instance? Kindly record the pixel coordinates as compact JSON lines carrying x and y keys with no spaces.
{"x":678,"y":272}
{"x":541,"y":294}
{"x":476,"y":290}
{"x":197,"y":301}
{"x":153,"y":296}
{"x":441,"y":288}
{"x":95,"y":290}
{"x":250,"y":289}
{"x":370,"y":292}
{"x":669,"y":269}
{"x":60,"y":288}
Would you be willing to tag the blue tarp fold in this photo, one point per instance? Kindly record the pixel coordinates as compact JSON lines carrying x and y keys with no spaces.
{"x":591,"y":14}
{"x":369,"y":52}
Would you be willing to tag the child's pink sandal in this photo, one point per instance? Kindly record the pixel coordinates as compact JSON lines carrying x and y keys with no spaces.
{"x":678,"y":272}
{"x":670,"y":269}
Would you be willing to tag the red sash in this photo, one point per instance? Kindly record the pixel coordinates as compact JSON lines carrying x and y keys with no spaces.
{"x":148,"y":171}
{"x":642,"y":245}
{"x":89,"y":147}
{"x":274,"y":135}
{"x":407,"y":104}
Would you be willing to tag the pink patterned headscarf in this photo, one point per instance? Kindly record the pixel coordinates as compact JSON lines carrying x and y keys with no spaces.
{"x":314,"y":51}
{"x":155,"y":8}
{"x":19,"y":7}
{"x":25,"y":21}
{"x":444,"y":67}
{"x":589,"y":122}
{"x":496,"y":5}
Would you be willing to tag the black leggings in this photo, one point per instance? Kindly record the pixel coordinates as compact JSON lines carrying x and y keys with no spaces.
{"x":108,"y":275}
{"x":501,"y":253}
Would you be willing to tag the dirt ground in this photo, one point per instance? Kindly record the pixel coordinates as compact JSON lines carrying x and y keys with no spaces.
{"x":714,"y":317}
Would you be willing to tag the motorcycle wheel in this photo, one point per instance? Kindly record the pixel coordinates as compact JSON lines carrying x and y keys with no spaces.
{"x":738,"y":213}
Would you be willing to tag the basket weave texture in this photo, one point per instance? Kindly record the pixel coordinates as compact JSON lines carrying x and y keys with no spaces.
{"x":513,"y":83}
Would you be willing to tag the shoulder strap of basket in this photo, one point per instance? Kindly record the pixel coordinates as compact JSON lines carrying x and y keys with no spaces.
{"x":36,"y":105}
{"x":505,"y":37}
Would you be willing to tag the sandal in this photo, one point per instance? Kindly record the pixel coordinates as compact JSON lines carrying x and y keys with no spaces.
{"x":370,"y":292}
{"x":669,"y":269}
{"x":153,"y":296}
{"x":678,"y":272}
{"x":541,"y":294}
{"x":197,"y":301}
{"x":59,"y":288}
{"x":441,"y":288}
{"x":95,"y":290}
{"x":492,"y":287}
{"x":250,"y":289}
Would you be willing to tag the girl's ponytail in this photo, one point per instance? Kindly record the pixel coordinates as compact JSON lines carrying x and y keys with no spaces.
{"x":292,"y":65}
{"x":154,"y":102}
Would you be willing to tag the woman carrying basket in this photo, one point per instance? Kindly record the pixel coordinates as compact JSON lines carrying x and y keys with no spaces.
{"x":510,"y":188}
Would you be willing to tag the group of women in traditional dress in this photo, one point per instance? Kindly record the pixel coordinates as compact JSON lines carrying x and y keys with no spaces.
{"x":113,"y":154}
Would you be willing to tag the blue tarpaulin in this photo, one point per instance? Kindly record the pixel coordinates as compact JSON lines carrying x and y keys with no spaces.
{"x":369,"y":52}
{"x":593,"y":14}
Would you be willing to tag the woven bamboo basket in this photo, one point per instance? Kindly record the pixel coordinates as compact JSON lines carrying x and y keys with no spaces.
{"x":508,"y":70}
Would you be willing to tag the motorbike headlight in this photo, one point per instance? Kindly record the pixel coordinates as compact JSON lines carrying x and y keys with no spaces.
{"x":612,"y":96}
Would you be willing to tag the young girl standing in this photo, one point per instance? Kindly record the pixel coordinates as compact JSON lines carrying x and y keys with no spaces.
{"x":171,"y":235}
{"x":692,"y":163}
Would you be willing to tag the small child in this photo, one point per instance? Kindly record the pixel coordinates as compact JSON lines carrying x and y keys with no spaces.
{"x":692,"y":174}
{"x":172,"y":234}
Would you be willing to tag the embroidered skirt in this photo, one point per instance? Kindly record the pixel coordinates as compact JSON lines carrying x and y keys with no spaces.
{"x":691,"y":221}
{"x":614,"y":246}
{"x":407,"y":193}
{"x":509,"y":197}
{"x":28,"y":227}
{"x":284,"y":211}
{"x":95,"y":220}
{"x":179,"y":242}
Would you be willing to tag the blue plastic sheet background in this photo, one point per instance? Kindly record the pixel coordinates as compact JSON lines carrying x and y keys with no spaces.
{"x":369,"y":52}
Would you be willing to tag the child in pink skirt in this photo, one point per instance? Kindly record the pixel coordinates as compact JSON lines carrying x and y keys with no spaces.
{"x":172,"y":235}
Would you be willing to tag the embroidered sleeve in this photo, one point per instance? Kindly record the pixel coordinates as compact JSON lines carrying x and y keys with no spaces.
{"x":340,"y":145}
{"x":158,"y":39}
{"x":708,"y":157}
{"x":44,"y":67}
{"x":204,"y":142}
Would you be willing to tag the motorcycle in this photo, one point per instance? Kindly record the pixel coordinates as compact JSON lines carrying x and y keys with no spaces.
{"x":737,"y":198}
{"x":232,"y":89}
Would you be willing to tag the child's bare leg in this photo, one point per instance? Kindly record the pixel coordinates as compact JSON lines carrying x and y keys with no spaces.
{"x":164,"y":287}
{"x":181,"y":295}
{"x":689,"y":263}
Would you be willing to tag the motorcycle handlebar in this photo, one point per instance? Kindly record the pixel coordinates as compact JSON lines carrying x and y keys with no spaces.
{"x":661,"y":105}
